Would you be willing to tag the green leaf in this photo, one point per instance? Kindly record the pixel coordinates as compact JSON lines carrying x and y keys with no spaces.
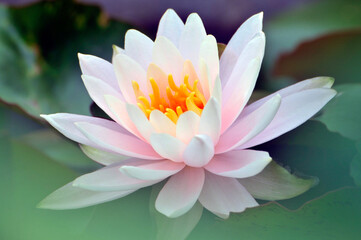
{"x":311,"y":150}
{"x":343,"y":113}
{"x":40,"y":72}
{"x":336,"y":54}
{"x":307,"y":22}
{"x":173,"y":228}
{"x":356,"y":165}
{"x":334,"y":216}
{"x":276,"y":183}
{"x":60,"y":150}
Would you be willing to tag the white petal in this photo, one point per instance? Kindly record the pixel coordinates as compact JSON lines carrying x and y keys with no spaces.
{"x":98,"y":68}
{"x":192,"y":38}
{"x":217,"y":90}
{"x":120,"y":113}
{"x":254,"y":49}
{"x":168,"y":146}
{"x":210,"y":123}
{"x":236,"y":45}
{"x":222,"y":195}
{"x":116,"y":141}
{"x":181,"y":192}
{"x":168,"y":58}
{"x":102,"y":157}
{"x":187,"y":126}
{"x":69,"y":197}
{"x":199,"y":151}
{"x":209,"y":52}
{"x":239,"y":163}
{"x":204,"y":78}
{"x":97,"y":89}
{"x":294,"y":110}
{"x":245,"y":128}
{"x":140,"y":121}
{"x":117,"y":50}
{"x":170,"y":26}
{"x":128,"y":70}
{"x":64,"y":123}
{"x":317,"y":82}
{"x":242,"y":92}
{"x":139,"y":47}
{"x":161,"y":123}
{"x":153,"y":170}
{"x":111,"y":179}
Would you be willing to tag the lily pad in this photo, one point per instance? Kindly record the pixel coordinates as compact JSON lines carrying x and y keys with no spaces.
{"x":356,"y":165}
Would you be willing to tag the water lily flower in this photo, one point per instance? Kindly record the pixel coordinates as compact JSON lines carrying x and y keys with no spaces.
{"x":180,"y":112}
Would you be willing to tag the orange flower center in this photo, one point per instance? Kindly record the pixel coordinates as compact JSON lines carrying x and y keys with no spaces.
{"x":176,"y":100}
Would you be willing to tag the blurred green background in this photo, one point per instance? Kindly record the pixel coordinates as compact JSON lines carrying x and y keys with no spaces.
{"x":39,"y":73}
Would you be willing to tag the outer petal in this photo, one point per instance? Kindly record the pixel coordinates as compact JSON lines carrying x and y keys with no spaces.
{"x":254,"y":49}
{"x":209,"y":52}
{"x":102,"y":157}
{"x":64,"y":123}
{"x":249,"y":126}
{"x":69,"y":197}
{"x":161,"y":123}
{"x":168,"y":58}
{"x":168,"y":146}
{"x":317,"y":82}
{"x":97,"y":89}
{"x":239,"y":163}
{"x":171,"y":26}
{"x":139,"y":47}
{"x":236,"y":45}
{"x":181,"y":192}
{"x":128,"y":70}
{"x":118,"y":142}
{"x":192,"y":38}
{"x":294,"y":110}
{"x":199,"y":151}
{"x":152,"y":170}
{"x":210,"y":123}
{"x":222,"y":195}
{"x":232,"y":108}
{"x":111,"y":179}
{"x":187,"y":126}
{"x":98,"y":68}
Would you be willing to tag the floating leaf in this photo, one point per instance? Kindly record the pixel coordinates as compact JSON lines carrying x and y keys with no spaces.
{"x":356,"y":165}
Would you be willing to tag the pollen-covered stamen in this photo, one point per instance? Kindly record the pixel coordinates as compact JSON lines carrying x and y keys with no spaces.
{"x":178,"y":99}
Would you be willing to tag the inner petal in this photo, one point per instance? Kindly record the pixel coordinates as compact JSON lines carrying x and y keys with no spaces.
{"x":170,"y":99}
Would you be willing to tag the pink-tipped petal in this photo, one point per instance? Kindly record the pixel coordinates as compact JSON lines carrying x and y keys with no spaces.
{"x":139,"y":47}
{"x":222,"y":195}
{"x":171,"y":26}
{"x":98,"y":68}
{"x":294,"y":110}
{"x":111,"y":179}
{"x":152,"y":170}
{"x":317,"y":82}
{"x":168,"y":58}
{"x":100,"y":156}
{"x":168,"y":146}
{"x":64,"y":123}
{"x":192,"y":38}
{"x":210,"y":122}
{"x":239,"y":163}
{"x":70,"y":197}
{"x":209,"y":52}
{"x":236,"y":45}
{"x":245,"y":128}
{"x":161,"y":123}
{"x":181,"y":192}
{"x":128,"y":70}
{"x":118,"y":142}
{"x":242,"y":92}
{"x":199,"y":151}
{"x":187,"y":126}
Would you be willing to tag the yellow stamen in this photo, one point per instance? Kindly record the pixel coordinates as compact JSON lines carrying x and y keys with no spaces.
{"x":144,"y":101}
{"x":179,"y":110}
{"x":171,"y":114}
{"x":192,"y":106}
